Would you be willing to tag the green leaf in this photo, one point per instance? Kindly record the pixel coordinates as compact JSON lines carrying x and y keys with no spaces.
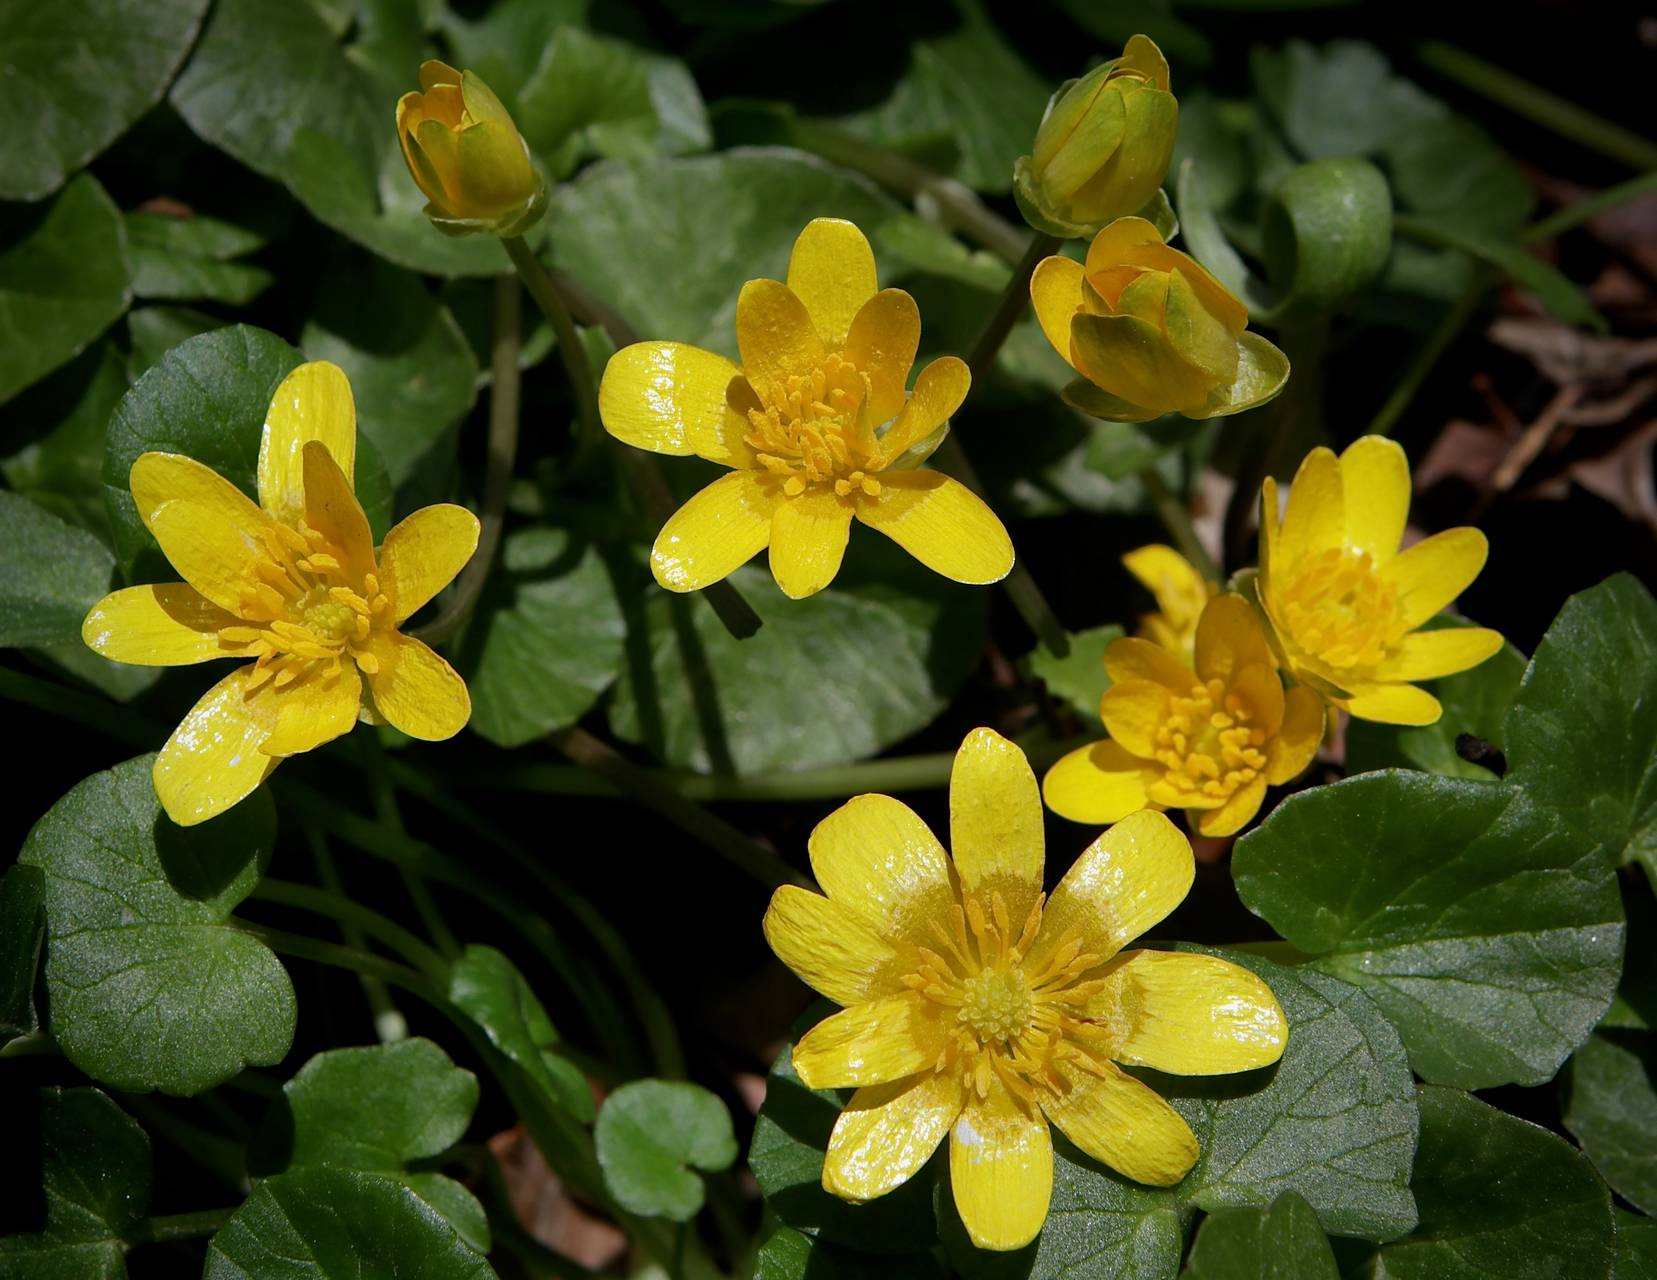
{"x":1499,"y":1197}
{"x":1338,"y":100}
{"x":22,"y":927}
{"x":927,"y":247}
{"x":95,"y":1169}
{"x":546,"y":640}
{"x":157,"y":330}
{"x":488,"y":988}
{"x":1284,"y":1242}
{"x":81,"y":72}
{"x":191,"y":257}
{"x":1555,"y":291}
{"x":51,"y":574}
{"x":1609,"y":1102}
{"x":651,"y":1134}
{"x":1636,"y":1247}
{"x":1450,"y":169}
{"x":63,"y":279}
{"x":1079,"y":679}
{"x":1487,"y":929}
{"x":788,"y":1254}
{"x":1582,"y":735}
{"x":834,"y":678}
{"x":320,"y":1223}
{"x":148,"y":983}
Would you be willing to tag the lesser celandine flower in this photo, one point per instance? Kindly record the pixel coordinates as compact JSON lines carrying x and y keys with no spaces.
{"x":1180,"y":591}
{"x":295,"y":585}
{"x":980,"y":1009}
{"x":1344,"y":603}
{"x":1205,"y":735}
{"x":1103,"y":146}
{"x":467,"y":156}
{"x":815,"y":424}
{"x":1151,"y":331}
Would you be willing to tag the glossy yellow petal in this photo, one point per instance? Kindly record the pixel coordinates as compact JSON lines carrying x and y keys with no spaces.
{"x":1375,"y":476}
{"x":1432,"y":573}
{"x":1260,"y":690}
{"x":1188,"y":1015}
{"x":1393,"y":704}
{"x":1097,"y":784}
{"x":830,"y":947}
{"x":213,"y":760}
{"x":312,"y":403}
{"x":1056,"y":295}
{"x":1135,"y":242}
{"x":1136,"y":361}
{"x":1234,"y":814}
{"x":1135,"y":712}
{"x":808,"y":539}
{"x":942,"y":523}
{"x":937,"y":394}
{"x":882,"y":342}
{"x":1141,"y":54}
{"x":1297,"y":739}
{"x":1229,"y":638}
{"x":415,"y":689}
{"x":1131,"y":658}
{"x":332,"y":509}
{"x":1197,"y":334}
{"x":1134,"y":171}
{"x":496,"y":176}
{"x":313,"y":711}
{"x":1123,"y":1123}
{"x":832,"y":271}
{"x":423,"y":553}
{"x":874,"y":1042}
{"x":996,"y":832}
{"x":888,"y":1132}
{"x":719,"y":530}
{"x":877,"y":859}
{"x":439,"y":145}
{"x":434,"y":72}
{"x":167,"y":625}
{"x":1427,"y":655}
{"x":776,"y":337}
{"x":1173,"y":581}
{"x":1271,"y":534}
{"x":1127,"y":880}
{"x":669,"y":397}
{"x":207,"y":527}
{"x":1315,"y":519}
{"x":1001,"y":1170}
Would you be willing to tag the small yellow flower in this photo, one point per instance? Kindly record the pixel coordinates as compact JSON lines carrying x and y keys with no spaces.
{"x":1151,"y":331}
{"x":1103,"y":146}
{"x":293,"y":583}
{"x":979,"y":1008}
{"x":1180,"y":591}
{"x":467,"y":156}
{"x":1343,"y":602}
{"x":1207,"y":740}
{"x":815,"y":424}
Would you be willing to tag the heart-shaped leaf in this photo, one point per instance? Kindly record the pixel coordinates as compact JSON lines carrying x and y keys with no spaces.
{"x":651,"y":1134}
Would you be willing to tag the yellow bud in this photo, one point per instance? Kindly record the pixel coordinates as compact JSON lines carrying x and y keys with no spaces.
{"x":467,"y":156}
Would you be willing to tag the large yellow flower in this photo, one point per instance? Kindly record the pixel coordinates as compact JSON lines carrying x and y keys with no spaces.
{"x":1180,"y":591}
{"x":1207,"y":740}
{"x":1344,"y":602}
{"x":294,"y":584}
{"x":979,"y":1008}
{"x":816,"y":424}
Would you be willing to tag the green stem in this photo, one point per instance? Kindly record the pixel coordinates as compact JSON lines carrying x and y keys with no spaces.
{"x":1015,"y":299}
{"x":389,"y":1023}
{"x":80,"y":708}
{"x":177,"y":1226}
{"x":1540,"y":106}
{"x":1177,"y":519}
{"x":329,"y":953}
{"x":504,"y":400}
{"x":385,"y":805}
{"x":1409,"y":383}
{"x":212,"y":1152}
{"x":360,"y":921}
{"x":1562,"y":220}
{"x":571,"y":350}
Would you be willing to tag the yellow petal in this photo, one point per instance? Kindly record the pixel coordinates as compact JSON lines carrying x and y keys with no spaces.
{"x":1123,"y":1123}
{"x":808,"y":539}
{"x":495,"y":173}
{"x":874,"y":1042}
{"x":1260,"y":689}
{"x":832,"y":271}
{"x":1427,"y":655}
{"x":1432,"y":573}
{"x":1135,"y":712}
{"x":1134,"y":171}
{"x":1081,"y":132}
{"x":1197,"y":334}
{"x":1136,"y":242}
{"x":1393,"y":704}
{"x":1137,"y":362}
{"x":439,"y":144}
{"x":1229,"y":638}
{"x":1315,"y":519}
{"x":938,"y":393}
{"x":313,"y":711}
{"x":208,"y":528}
{"x":434,"y":72}
{"x":1188,"y":1015}
{"x":877,"y":859}
{"x":881,"y":342}
{"x":1234,"y":814}
{"x":1298,"y":738}
{"x":1131,"y":658}
{"x":1056,"y":295}
{"x":1125,"y":241}
{"x":887,"y":1133}
{"x":334,"y":512}
{"x":168,"y":625}
{"x":422,"y":554}
{"x":1097,"y":784}
{"x":719,"y":530}
{"x":213,"y":759}
{"x":669,"y":397}
{"x":1375,"y":476}
{"x":830,"y":947}
{"x":312,"y":403}
{"x":1179,"y":590}
{"x":1128,"y":879}
{"x":776,"y":337}
{"x":942,"y":523}
{"x":996,"y":832}
{"x":415,"y":689}
{"x":1001,"y":1170}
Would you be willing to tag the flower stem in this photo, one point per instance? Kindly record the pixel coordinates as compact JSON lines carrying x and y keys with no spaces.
{"x":1015,"y":298}
{"x":177,"y":1226}
{"x":1562,"y":220}
{"x":583,"y":385}
{"x":1177,"y":519}
{"x":389,"y":1023}
{"x":1409,"y":383}
{"x":363,"y":922}
{"x":121,"y":723}
{"x":385,"y":805}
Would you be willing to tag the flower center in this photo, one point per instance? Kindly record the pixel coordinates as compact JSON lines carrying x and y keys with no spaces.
{"x":808,"y":429}
{"x":1340,"y":611}
{"x":1208,"y":743}
{"x":330,"y":621}
{"x":996,"y":1004}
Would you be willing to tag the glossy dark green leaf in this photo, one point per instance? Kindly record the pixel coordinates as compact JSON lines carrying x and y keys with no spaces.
{"x":22,"y":927}
{"x":488,"y":988}
{"x":1636,"y":1247}
{"x":64,"y":279}
{"x":50,"y":575}
{"x":149,"y":984}
{"x":1609,"y":1102}
{"x":788,"y":1254}
{"x":156,"y":330}
{"x":1078,"y":679}
{"x":82,"y":72}
{"x":193,"y":257}
{"x":651,"y":1137}
{"x":1284,"y":1242}
{"x":1485,"y":927}
{"x":546,"y":640}
{"x":1340,"y":99}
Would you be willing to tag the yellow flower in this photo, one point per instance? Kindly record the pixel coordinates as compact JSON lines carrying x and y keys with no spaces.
{"x":1207,"y":740}
{"x":1151,"y":331}
{"x":1343,"y":602}
{"x":467,"y":156}
{"x":979,"y":1008}
{"x":1180,"y":591}
{"x":815,"y":424}
{"x":1103,"y":146}
{"x":293,"y":583}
